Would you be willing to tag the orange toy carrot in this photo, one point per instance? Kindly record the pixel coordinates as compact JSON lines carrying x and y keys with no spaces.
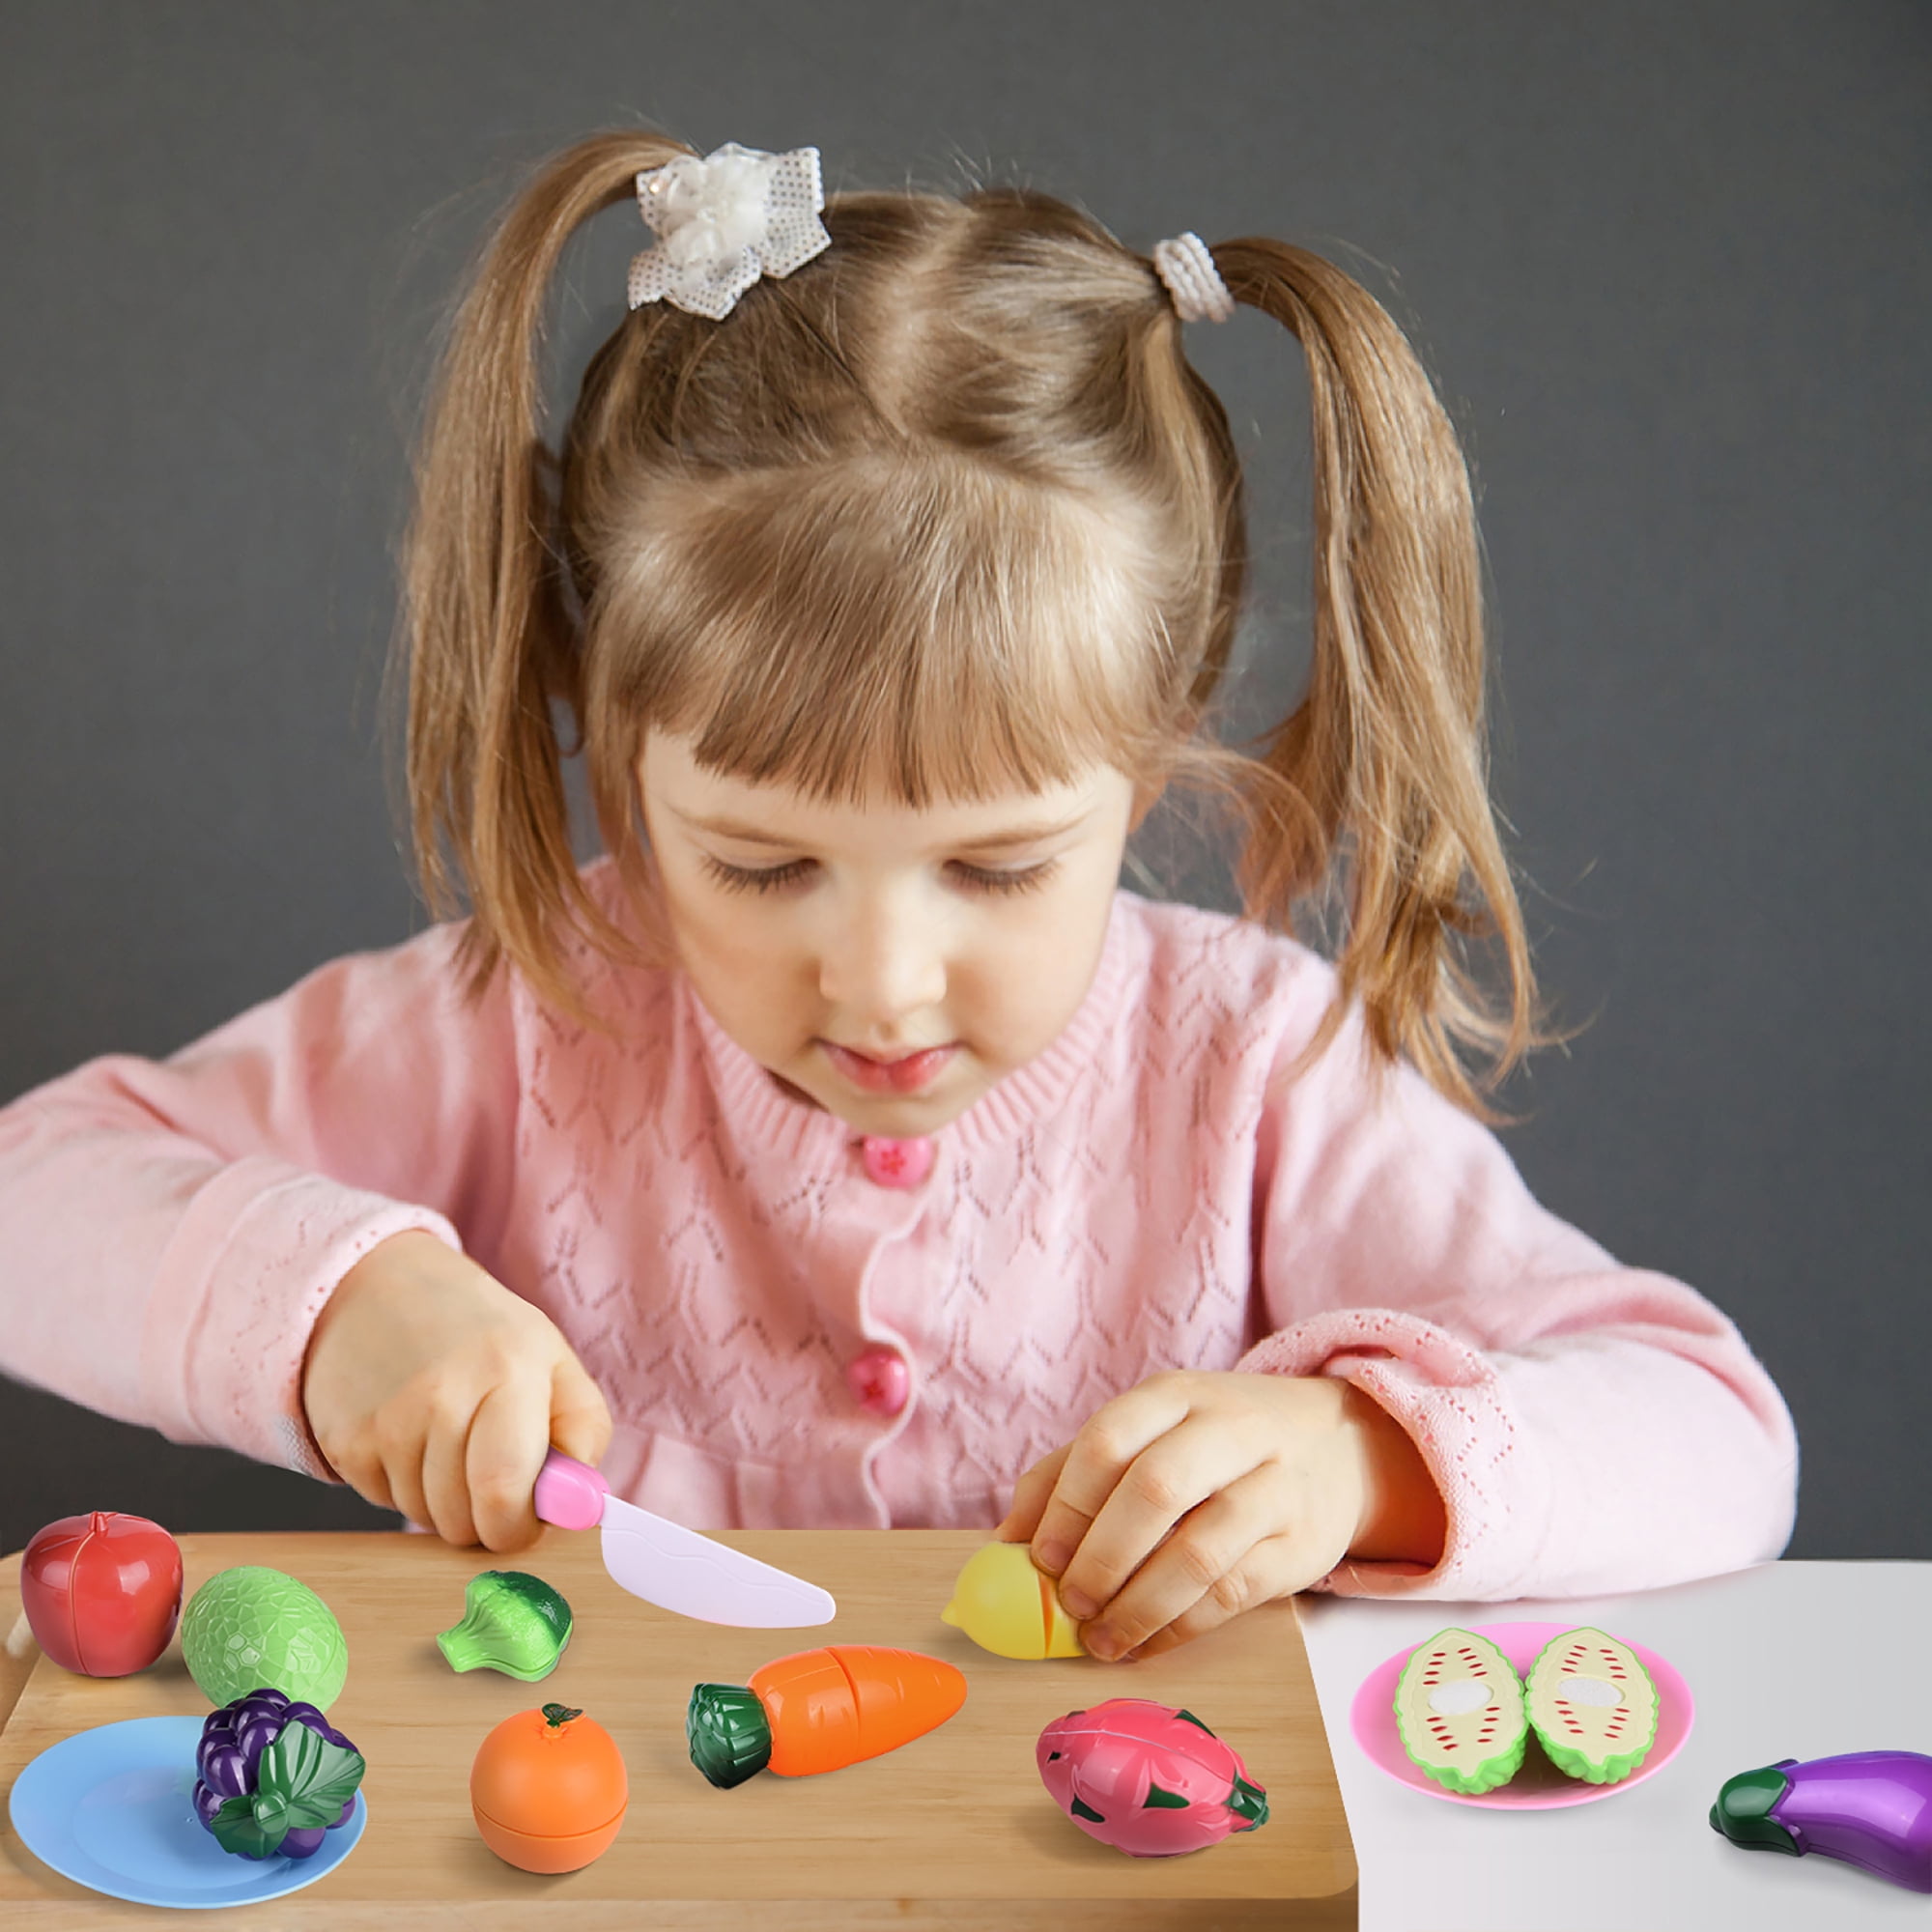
{"x":818,"y":1710}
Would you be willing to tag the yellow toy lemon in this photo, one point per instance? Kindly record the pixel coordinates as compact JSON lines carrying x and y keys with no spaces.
{"x":1006,"y":1606}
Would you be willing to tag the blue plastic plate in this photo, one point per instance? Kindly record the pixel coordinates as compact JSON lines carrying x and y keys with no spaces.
{"x":111,"y":1809}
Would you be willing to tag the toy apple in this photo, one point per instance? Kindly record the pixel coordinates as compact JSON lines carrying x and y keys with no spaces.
{"x":101,"y":1591}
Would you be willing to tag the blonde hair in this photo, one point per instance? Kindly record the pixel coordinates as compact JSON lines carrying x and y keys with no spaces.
{"x":948,"y":513}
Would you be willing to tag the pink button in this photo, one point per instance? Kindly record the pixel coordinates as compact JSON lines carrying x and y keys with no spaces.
{"x":878,"y":1381}
{"x":897,"y":1163}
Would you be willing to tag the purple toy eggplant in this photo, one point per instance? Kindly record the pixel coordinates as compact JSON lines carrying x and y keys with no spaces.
{"x":1871,"y":1809}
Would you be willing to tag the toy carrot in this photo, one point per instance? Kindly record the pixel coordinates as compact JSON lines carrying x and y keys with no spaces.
{"x":818,"y":1710}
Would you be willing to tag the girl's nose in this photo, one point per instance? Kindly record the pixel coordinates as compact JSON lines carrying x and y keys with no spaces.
{"x":882,"y":964}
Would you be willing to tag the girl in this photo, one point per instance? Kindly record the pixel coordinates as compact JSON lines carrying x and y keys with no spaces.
{"x":844,"y":1147}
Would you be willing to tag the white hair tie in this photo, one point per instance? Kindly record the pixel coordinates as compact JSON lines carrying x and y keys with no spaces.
{"x":1192,"y":279}
{"x":723,"y":221}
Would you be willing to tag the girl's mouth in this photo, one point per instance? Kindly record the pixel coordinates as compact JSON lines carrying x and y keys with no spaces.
{"x":904,"y":1075}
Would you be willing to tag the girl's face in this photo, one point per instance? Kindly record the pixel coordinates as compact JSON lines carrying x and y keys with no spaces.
{"x":888,"y":965}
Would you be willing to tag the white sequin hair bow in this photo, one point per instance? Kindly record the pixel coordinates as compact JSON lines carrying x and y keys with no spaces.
{"x":1193,"y":282}
{"x":723,"y":221}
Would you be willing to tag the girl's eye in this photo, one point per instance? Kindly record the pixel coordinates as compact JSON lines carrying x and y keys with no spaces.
{"x":743,"y":879}
{"x":773,"y":879}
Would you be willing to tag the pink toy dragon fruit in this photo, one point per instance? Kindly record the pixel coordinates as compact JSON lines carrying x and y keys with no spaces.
{"x":1148,"y":1779}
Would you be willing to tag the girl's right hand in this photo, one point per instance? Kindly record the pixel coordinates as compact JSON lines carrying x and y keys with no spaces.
{"x":434,"y":1390}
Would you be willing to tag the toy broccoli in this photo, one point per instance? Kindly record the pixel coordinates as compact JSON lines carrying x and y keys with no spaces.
{"x":511,"y":1622}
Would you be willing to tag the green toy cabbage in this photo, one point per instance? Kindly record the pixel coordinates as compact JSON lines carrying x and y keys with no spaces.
{"x":250,"y":1625}
{"x":511,"y":1622}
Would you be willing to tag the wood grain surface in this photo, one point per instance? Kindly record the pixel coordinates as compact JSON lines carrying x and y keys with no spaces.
{"x":952,"y":1831}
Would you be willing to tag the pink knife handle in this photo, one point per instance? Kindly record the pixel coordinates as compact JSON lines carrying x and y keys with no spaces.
{"x":570,"y":1493}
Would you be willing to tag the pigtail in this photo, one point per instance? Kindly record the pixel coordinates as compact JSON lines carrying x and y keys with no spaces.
{"x":491,"y":637}
{"x":1380,"y":772}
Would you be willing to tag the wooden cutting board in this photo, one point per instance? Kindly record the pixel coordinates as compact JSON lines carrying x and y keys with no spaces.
{"x":955,"y":1829}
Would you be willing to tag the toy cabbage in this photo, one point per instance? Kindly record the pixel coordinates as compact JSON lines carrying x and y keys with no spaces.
{"x":511,"y":1622}
{"x":274,"y":1776}
{"x":250,"y":1625}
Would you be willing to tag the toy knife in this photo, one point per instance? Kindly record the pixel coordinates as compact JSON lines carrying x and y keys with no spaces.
{"x":674,"y":1567}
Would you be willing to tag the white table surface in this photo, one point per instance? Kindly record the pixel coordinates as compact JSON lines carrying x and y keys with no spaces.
{"x":1786,"y":1660}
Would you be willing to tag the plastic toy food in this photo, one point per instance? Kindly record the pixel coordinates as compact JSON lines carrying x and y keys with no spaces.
{"x":819,"y":1710}
{"x":1592,"y":1705}
{"x":511,"y":1622}
{"x":101,"y":1591}
{"x":1873,"y":1810}
{"x":251,"y":1626}
{"x":273,"y":1777}
{"x":1458,"y":1710}
{"x":1006,"y":1604}
{"x":548,"y":1789}
{"x":1148,"y":1779}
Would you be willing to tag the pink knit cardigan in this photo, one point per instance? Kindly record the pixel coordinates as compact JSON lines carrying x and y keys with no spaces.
{"x":1160,"y":1188}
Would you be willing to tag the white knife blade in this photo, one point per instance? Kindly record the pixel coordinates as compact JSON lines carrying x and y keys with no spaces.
{"x":674,"y":1568}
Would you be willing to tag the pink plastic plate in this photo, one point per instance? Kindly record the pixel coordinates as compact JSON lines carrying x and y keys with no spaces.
{"x":1538,"y":1786}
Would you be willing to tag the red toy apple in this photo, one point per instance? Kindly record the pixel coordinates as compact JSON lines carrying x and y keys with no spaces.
{"x":102,"y":1591}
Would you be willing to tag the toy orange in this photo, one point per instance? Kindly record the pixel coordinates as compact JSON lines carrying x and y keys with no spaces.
{"x":548,"y":1789}
{"x":818,"y":1710}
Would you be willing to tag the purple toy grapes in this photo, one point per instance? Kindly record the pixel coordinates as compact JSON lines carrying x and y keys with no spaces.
{"x":288,"y":1805}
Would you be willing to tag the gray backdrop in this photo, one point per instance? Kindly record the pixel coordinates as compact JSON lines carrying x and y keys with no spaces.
{"x":1667,"y":261}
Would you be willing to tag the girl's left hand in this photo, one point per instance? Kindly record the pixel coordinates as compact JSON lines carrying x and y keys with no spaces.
{"x":1198,"y":1494}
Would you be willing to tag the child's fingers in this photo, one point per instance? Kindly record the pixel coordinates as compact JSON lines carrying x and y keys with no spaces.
{"x":1106,"y":1447}
{"x":401,"y":1450}
{"x":1206,"y":1569}
{"x":1030,"y":1494}
{"x":579,"y":1418}
{"x":508,"y":1440}
{"x":354,"y":1458}
{"x":445,"y":1484}
{"x":1276,"y":1567}
{"x":1175,"y":1474}
{"x":362,"y":1470}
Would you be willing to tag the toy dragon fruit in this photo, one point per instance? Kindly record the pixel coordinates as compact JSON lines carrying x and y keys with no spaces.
{"x":1148,"y":1779}
{"x":273,"y":1776}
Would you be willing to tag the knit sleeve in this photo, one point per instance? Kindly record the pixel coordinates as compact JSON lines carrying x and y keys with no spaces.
{"x":1592,"y":1427}
{"x":170,"y":1231}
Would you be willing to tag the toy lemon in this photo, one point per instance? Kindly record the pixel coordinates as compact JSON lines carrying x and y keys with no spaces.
{"x":1008,"y":1606}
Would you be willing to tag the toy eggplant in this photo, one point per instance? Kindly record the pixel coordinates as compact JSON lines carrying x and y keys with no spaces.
{"x":1873,"y":1810}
